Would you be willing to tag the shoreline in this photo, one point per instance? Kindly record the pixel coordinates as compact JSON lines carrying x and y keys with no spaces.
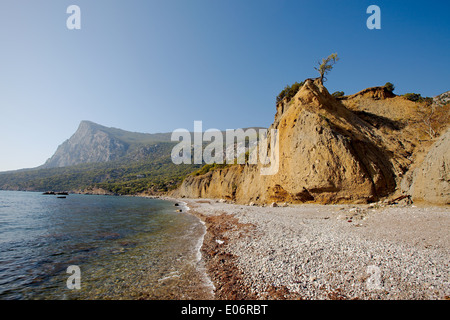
{"x":207,"y":282}
{"x":321,"y":252}
{"x":220,"y":268}
{"x":201,"y":267}
{"x":318,"y":252}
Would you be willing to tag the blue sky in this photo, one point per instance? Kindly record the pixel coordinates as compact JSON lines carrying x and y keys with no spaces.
{"x":155,"y":66}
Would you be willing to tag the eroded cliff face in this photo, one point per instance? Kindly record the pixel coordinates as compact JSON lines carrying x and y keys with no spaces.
{"x":328,"y":154}
{"x":430,"y":181}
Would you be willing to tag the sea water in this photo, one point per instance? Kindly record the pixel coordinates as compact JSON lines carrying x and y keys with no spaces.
{"x":124,"y":247}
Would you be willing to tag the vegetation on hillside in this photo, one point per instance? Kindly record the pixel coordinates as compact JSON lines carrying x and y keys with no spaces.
{"x":209,"y":167}
{"x":125,"y":177}
{"x":417,"y":97}
{"x":145,"y":168}
{"x":338,"y":94}
{"x":389,"y":87}
{"x":289,"y":91}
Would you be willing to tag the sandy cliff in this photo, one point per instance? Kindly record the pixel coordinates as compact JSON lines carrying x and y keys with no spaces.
{"x":355,"y":150}
{"x":430,"y":181}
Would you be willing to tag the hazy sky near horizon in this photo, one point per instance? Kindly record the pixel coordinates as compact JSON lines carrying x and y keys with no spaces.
{"x":158,"y":65}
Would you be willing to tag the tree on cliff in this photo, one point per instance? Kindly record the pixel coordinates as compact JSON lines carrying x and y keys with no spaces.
{"x":326,"y":65}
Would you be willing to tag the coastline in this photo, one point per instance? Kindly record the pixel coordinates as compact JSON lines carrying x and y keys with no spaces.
{"x":318,"y":252}
{"x":201,"y":265}
{"x":226,"y":279}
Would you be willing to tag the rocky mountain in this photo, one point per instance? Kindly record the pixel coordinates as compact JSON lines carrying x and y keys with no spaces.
{"x":93,"y":143}
{"x":102,"y":160}
{"x":354,"y":149}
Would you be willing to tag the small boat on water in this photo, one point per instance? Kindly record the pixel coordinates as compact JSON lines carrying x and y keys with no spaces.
{"x":60,"y":195}
{"x":56,"y":193}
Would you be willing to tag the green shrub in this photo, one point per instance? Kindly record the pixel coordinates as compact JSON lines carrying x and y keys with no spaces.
{"x":416,"y":97}
{"x":290,"y":91}
{"x":413,"y":97}
{"x":428,"y":100}
{"x":389,"y":87}
{"x":338,"y":94}
{"x":282,"y":94}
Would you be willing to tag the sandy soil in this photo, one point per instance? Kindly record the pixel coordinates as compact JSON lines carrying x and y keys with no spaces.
{"x":326,"y":252}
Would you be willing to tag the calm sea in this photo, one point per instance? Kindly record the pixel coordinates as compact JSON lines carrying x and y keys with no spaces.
{"x":124,"y":247}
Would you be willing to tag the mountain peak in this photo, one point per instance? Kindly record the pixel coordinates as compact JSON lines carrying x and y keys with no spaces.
{"x":86,"y":124}
{"x":88,"y":144}
{"x":93,"y":143}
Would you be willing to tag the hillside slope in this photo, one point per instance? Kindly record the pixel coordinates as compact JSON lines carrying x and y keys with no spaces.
{"x":98,"y":159}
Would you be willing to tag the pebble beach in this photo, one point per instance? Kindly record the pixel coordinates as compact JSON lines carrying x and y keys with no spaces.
{"x":318,"y":252}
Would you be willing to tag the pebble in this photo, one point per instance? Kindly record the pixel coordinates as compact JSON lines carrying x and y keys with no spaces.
{"x":285,"y":252}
